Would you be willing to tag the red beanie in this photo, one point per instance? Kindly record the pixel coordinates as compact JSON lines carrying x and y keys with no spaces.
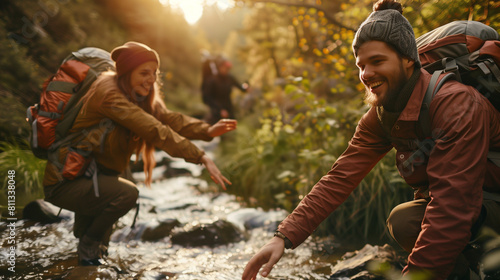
{"x":131,"y":55}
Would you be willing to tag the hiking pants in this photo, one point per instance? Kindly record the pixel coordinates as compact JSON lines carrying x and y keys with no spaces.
{"x":405,"y":220}
{"x":94,"y":216}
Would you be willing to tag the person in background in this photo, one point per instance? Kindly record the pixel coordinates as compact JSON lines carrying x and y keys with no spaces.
{"x":121,"y":114}
{"x":216,"y":88}
{"x":454,"y":186}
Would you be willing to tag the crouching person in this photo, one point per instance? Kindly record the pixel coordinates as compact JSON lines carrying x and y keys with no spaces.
{"x":121,"y":114}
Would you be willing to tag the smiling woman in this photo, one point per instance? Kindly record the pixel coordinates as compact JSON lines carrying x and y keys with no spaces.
{"x":193,"y":9}
{"x":122,"y":109}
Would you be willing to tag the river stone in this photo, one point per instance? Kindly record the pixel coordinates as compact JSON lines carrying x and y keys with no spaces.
{"x":220,"y":232}
{"x":151,"y":230}
{"x":251,"y":218}
{"x":40,"y":211}
{"x":171,"y":172}
{"x":161,"y":231}
{"x":357,"y":265}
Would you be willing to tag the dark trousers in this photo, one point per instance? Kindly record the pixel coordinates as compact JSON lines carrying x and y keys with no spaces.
{"x":94,"y":216}
{"x":404,"y":224}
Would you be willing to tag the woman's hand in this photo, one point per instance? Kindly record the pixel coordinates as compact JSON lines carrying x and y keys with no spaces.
{"x":224,"y":113}
{"x":214,"y":172}
{"x":266,"y":258}
{"x":221,"y":127}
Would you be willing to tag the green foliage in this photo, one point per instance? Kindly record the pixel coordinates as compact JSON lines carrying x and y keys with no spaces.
{"x":295,"y":144}
{"x":13,"y":121}
{"x":364,"y":213}
{"x":28,"y":169}
{"x":305,"y":126}
{"x":427,"y":15}
{"x":217,"y":24}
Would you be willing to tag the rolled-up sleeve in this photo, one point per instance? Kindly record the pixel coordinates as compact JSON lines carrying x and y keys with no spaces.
{"x":189,"y":127}
{"x":117,"y":108}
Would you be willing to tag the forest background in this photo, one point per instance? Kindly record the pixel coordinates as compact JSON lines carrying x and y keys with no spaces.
{"x":302,"y":109}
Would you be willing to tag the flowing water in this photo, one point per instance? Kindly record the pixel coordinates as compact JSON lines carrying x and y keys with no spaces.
{"x":49,"y":251}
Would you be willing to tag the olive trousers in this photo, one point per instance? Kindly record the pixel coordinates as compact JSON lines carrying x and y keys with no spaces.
{"x":94,"y":216}
{"x":404,"y":224}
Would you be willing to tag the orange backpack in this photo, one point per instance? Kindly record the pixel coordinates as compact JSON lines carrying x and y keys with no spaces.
{"x":59,"y":104}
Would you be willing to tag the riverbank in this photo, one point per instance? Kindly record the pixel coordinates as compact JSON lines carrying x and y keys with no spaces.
{"x":49,"y":251}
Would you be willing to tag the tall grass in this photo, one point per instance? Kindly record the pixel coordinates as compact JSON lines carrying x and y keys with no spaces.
{"x":364,"y":213}
{"x":28,"y":170}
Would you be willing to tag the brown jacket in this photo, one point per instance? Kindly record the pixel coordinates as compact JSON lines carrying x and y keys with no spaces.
{"x":111,"y":126}
{"x":455,"y":174}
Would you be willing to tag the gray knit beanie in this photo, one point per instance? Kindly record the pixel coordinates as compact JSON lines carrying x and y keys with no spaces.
{"x":387,"y":24}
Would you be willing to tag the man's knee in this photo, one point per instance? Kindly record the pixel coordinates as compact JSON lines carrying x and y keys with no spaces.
{"x":396,"y":222}
{"x":404,"y":223}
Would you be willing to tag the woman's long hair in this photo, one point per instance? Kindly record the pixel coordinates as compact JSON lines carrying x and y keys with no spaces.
{"x":147,"y":103}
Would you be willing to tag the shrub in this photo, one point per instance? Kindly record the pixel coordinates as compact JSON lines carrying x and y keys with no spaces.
{"x":28,"y":169}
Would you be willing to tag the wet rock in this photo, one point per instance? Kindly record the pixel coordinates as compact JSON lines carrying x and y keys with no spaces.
{"x":161,"y":231}
{"x":220,"y":232}
{"x":491,"y":255}
{"x":250,"y":218}
{"x":91,"y":272}
{"x":174,"y":206}
{"x":146,"y":231}
{"x":127,"y":234}
{"x":138,"y":165}
{"x":175,"y":172}
{"x":269,"y":221}
{"x":362,"y":264}
{"x":40,"y":211}
{"x":169,"y":172}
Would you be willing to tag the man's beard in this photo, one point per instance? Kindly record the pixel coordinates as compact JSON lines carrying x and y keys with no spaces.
{"x":392,"y":92}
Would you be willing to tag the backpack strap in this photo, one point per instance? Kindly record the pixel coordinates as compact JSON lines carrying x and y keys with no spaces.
{"x":434,"y":86}
{"x":73,"y":105}
{"x":488,"y":66}
{"x":424,"y":147}
{"x":66,"y":87}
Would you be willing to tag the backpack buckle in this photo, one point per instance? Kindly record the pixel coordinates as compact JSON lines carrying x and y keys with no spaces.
{"x":450,"y":65}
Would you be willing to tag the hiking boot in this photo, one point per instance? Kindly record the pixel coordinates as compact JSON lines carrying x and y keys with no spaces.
{"x":89,"y":252}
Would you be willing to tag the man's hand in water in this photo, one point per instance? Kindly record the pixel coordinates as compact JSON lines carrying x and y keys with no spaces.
{"x":266,"y":258}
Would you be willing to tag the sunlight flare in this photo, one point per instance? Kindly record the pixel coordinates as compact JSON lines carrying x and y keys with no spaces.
{"x":193,"y":9}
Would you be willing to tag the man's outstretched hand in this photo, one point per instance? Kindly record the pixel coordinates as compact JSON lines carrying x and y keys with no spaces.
{"x":266,"y":258}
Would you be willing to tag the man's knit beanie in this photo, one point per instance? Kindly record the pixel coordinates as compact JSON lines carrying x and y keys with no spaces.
{"x":132,"y":54}
{"x":387,"y":24}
